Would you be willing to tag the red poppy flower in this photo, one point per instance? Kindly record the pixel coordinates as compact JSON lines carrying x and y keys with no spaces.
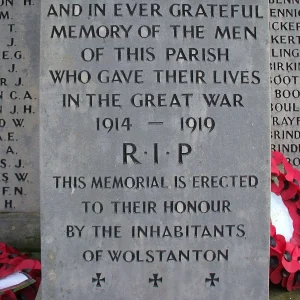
{"x":277,"y":157}
{"x":290,"y":171}
{"x":278,"y":186}
{"x":290,"y":258}
{"x":274,"y":168}
{"x":27,"y":293}
{"x":8,"y":295}
{"x":289,"y":191}
{"x":278,"y":245}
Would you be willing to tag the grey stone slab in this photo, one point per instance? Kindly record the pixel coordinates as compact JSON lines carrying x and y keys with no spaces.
{"x":92,"y":172}
{"x":39,"y":294}
{"x":21,"y":230}
{"x":285,"y":78}
{"x":19,"y":97}
{"x":276,"y":293}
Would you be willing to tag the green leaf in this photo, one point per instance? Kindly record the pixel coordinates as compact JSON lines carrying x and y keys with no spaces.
{"x":275,"y":180}
{"x":281,"y":168}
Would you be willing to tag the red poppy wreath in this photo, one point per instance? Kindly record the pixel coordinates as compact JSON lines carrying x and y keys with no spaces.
{"x":285,"y":223}
{"x":12,"y":261}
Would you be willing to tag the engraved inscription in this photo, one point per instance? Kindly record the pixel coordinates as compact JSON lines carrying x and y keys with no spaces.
{"x":19,"y":98}
{"x":150,"y":172}
{"x":285,"y":68}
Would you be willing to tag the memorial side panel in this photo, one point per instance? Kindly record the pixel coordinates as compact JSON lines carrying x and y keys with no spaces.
{"x":154,"y":150}
{"x":285,"y":70}
{"x":19,"y":105}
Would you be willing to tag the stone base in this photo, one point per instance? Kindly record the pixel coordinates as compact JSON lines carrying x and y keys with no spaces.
{"x":276,"y":293}
{"x":21,"y":230}
{"x":39,"y":295}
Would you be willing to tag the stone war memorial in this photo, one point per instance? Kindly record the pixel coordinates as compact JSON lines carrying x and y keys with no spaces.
{"x":154,"y":146}
{"x":285,"y":79}
{"x":139,"y":134}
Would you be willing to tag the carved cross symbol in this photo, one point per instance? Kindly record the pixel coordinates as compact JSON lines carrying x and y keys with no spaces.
{"x":212,"y":279}
{"x":98,"y":279}
{"x":155,"y":280}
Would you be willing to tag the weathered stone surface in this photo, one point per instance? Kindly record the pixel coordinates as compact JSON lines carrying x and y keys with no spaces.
{"x":285,"y":78}
{"x":275,"y":294}
{"x":21,"y":230}
{"x":39,"y":295}
{"x":109,"y":174}
{"x":19,"y":98}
